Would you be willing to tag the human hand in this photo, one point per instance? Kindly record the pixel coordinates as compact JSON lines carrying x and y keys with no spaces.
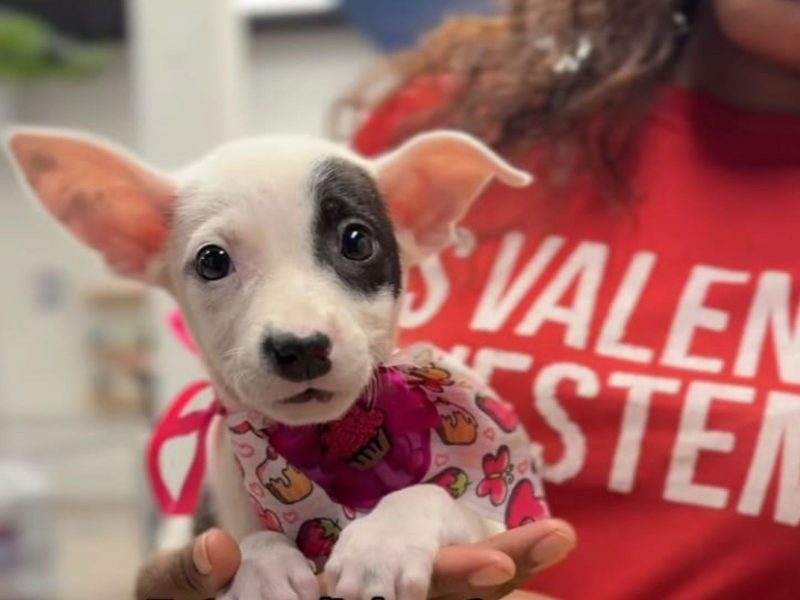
{"x":196,"y":572}
{"x":500,"y":565}
{"x":490,"y":569}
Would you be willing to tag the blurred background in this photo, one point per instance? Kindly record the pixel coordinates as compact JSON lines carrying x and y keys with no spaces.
{"x":86,"y":361}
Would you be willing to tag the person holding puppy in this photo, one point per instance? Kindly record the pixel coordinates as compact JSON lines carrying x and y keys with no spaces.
{"x":639,"y":306}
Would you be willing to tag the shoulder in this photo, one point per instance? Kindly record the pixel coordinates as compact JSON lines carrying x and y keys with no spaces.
{"x":385,"y":126}
{"x":414,"y":108}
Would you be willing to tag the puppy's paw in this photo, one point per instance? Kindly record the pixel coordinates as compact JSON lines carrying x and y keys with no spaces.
{"x":272,"y":570}
{"x":372,"y":560}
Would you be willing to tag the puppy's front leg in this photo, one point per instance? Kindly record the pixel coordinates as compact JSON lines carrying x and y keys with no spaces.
{"x":390,"y":552}
{"x":272,"y":567}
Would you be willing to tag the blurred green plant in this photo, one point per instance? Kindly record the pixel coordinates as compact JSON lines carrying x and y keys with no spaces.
{"x":30,"y":49}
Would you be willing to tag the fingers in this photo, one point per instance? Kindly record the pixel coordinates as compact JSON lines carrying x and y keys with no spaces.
{"x":536,"y":546}
{"x":202,"y":570}
{"x":461,"y":567}
{"x":503,"y":561}
{"x":196,"y":572}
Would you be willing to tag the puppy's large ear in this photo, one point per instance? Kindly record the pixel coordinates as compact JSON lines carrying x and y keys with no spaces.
{"x":430,"y":183}
{"x":106,"y":199}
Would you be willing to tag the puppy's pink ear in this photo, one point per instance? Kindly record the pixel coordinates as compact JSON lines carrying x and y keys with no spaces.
{"x":430,"y":183}
{"x":106,"y":199}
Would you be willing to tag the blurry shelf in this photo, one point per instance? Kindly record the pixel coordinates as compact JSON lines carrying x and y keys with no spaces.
{"x":287,"y":8}
{"x":116,"y":294}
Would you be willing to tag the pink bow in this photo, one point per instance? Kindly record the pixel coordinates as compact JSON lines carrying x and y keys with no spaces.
{"x":174,"y":423}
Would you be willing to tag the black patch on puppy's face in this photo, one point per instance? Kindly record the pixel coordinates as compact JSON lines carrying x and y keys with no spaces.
{"x":346,"y":195}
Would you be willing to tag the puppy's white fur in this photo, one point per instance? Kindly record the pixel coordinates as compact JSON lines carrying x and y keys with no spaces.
{"x":253,"y":198}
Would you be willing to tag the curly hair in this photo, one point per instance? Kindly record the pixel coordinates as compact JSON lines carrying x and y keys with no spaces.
{"x":575,"y":74}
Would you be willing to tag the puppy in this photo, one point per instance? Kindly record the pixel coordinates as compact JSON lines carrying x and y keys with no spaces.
{"x":287,"y":257}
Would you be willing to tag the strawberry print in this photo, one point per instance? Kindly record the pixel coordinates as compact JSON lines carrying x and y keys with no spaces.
{"x":317,"y":537}
{"x":453,"y":480}
{"x":497,"y":470}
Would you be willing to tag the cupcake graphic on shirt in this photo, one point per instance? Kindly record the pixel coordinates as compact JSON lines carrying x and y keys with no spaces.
{"x":359,"y":438}
{"x":379,"y":446}
{"x":457,"y":426}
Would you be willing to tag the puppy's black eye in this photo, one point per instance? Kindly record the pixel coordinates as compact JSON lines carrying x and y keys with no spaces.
{"x":357,"y":243}
{"x":212,"y":263}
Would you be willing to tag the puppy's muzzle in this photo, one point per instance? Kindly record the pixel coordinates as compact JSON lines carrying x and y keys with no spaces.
{"x":298,"y":358}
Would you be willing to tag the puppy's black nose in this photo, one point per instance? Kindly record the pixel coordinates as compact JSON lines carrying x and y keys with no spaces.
{"x":298,"y":358}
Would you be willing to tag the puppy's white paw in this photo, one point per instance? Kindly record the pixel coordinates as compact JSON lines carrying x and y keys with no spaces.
{"x":373,"y":560}
{"x":272,"y":570}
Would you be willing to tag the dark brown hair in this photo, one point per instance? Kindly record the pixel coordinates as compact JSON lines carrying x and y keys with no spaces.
{"x":520,"y":79}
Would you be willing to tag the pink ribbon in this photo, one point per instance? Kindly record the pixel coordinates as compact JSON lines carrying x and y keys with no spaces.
{"x":174,"y":423}
{"x":178,"y":326}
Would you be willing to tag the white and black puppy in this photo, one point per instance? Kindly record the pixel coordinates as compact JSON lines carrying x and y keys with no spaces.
{"x":287,"y":257}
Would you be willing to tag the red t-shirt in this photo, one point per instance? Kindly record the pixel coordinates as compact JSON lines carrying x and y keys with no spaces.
{"x":653,"y":353}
